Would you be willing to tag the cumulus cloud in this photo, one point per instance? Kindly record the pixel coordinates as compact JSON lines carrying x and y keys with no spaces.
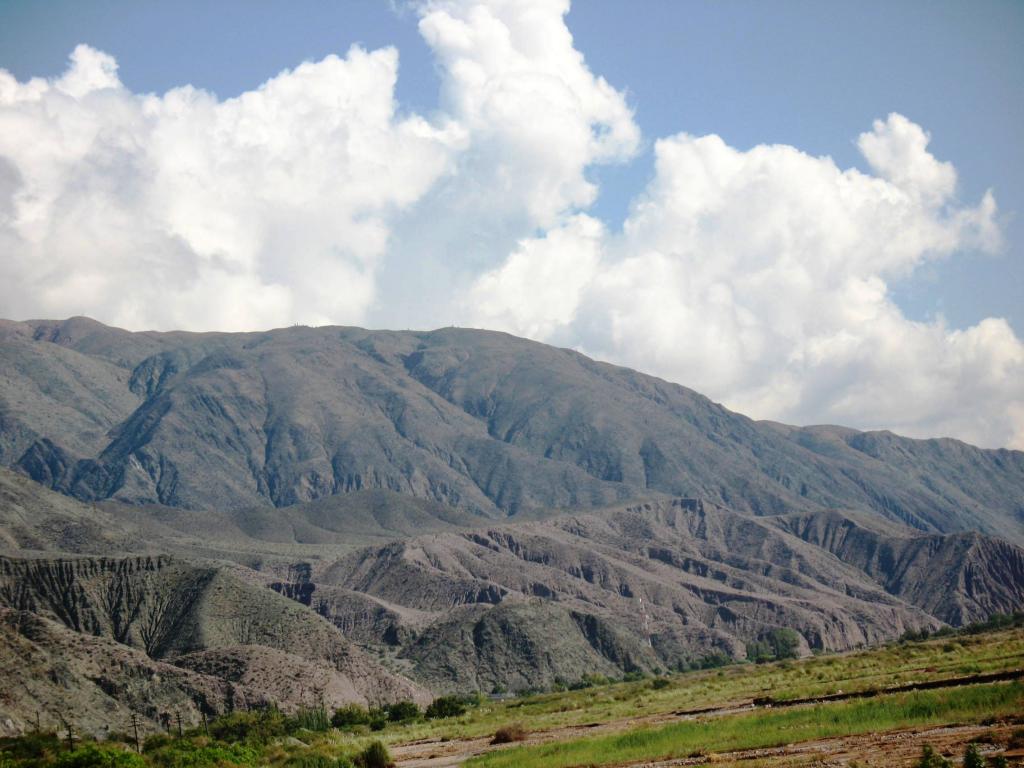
{"x":182,"y":210}
{"x":761,"y":278}
{"x":758,"y":277}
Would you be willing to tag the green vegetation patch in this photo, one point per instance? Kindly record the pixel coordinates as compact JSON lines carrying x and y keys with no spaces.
{"x":770,"y":728}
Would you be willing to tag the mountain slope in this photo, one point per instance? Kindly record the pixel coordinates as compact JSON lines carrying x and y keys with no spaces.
{"x":481,"y":421}
{"x":168,"y":609}
{"x":650,"y":586}
{"x":958,"y":578}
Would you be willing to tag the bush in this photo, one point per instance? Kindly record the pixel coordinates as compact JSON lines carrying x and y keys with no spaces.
{"x":759,"y":652}
{"x":509,"y":733}
{"x":350,"y":715}
{"x":31,"y":746}
{"x":973,"y":758}
{"x":374,"y":756}
{"x":256,"y":727}
{"x":310,"y":719}
{"x":185,"y":753}
{"x":660,"y":683}
{"x":318,"y":761}
{"x":445,"y":706}
{"x":931,"y":759}
{"x":403,"y":711}
{"x":95,"y":756}
{"x":778,"y":644}
{"x":785,"y":643}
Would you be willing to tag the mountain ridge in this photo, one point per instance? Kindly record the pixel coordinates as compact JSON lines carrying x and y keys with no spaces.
{"x":477,"y":420}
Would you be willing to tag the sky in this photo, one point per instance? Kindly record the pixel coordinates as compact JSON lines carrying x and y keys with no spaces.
{"x":809,"y":211}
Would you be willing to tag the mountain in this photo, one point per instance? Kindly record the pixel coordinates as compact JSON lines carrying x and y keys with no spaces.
{"x":195,"y":522}
{"x":200,"y":617}
{"x":651,"y":586}
{"x":482,"y":422}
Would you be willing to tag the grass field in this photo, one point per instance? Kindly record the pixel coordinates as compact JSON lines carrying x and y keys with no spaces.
{"x":879,"y":668}
{"x":770,"y":728}
{"x":615,"y":723}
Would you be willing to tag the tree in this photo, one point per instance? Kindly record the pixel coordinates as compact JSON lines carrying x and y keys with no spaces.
{"x":445,"y":706}
{"x":973,"y":758}
{"x":785,"y":643}
{"x":932,"y":759}
{"x":401,"y":711}
{"x":350,"y":715}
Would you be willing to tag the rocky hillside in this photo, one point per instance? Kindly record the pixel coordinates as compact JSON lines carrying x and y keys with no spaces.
{"x":644,"y":587}
{"x":483,"y":422}
{"x":202,"y":617}
{"x":52,"y":672}
{"x":199,"y":521}
{"x":959,"y":578}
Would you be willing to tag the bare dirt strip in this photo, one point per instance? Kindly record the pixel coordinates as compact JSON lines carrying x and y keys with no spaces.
{"x":868,"y":750}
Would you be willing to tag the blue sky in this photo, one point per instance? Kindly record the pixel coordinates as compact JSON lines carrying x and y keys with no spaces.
{"x":809,"y":77}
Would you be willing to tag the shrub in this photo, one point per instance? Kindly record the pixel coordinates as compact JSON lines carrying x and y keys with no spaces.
{"x":759,"y":652}
{"x":378,"y":719}
{"x":156,"y":741}
{"x":509,"y":733}
{"x":256,"y":727}
{"x":95,"y":756}
{"x":185,"y":753}
{"x":318,"y":761}
{"x":782,"y":643}
{"x":660,"y":683}
{"x":402,"y":711}
{"x":931,"y":759}
{"x":31,"y":746}
{"x":310,"y":719}
{"x":350,"y":715}
{"x":445,"y":706}
{"x":973,"y":758}
{"x":374,"y":756}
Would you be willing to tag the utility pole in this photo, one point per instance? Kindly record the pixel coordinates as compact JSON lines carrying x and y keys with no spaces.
{"x":135,"y":727}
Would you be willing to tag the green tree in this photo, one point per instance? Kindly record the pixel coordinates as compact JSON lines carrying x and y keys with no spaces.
{"x":95,"y":756}
{"x":445,"y":706}
{"x":349,"y":716}
{"x":785,"y":643}
{"x":402,"y":711}
{"x":932,"y":759}
{"x":973,"y":758}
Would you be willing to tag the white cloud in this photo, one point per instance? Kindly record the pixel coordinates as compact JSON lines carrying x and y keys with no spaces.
{"x":538,"y":289}
{"x":535,"y":114}
{"x":182,"y":210}
{"x":759,"y":277}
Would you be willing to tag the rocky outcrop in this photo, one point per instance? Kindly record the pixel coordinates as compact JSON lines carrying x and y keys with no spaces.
{"x":959,"y":578}
{"x":169,"y":609}
{"x":645,"y":586}
{"x":51,"y":672}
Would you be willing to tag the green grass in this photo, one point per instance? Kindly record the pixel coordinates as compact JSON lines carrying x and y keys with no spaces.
{"x":876,"y":668}
{"x":617,"y":704}
{"x":771,"y":728}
